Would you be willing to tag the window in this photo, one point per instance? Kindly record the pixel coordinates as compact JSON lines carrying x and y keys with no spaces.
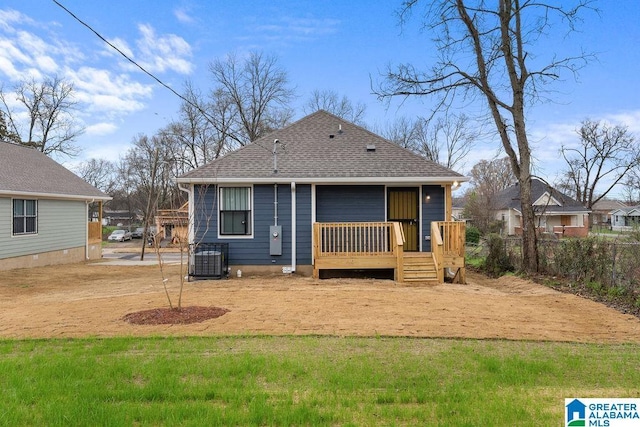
{"x":25,"y":216}
{"x":235,"y":211}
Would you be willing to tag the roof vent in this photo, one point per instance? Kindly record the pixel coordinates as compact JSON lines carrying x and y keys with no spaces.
{"x":371,"y":148}
{"x":331,"y":136}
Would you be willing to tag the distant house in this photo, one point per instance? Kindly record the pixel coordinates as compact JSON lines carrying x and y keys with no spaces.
{"x":119,"y":217}
{"x":602,"y":209}
{"x":555,"y":212}
{"x":625,"y":219}
{"x":325,"y":194}
{"x":44,"y":211}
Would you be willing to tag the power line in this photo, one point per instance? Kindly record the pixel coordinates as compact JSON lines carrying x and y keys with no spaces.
{"x":183,"y":98}
{"x":122,"y":53}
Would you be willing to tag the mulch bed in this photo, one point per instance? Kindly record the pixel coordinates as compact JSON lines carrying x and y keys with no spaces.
{"x":174,"y":316}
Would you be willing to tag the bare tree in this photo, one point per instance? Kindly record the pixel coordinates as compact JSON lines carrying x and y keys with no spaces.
{"x":49,"y":125}
{"x":330,"y":101}
{"x":487,"y":53}
{"x":6,"y":135}
{"x":605,"y":155}
{"x":447,"y":140}
{"x":403,"y":132}
{"x":488,"y":178}
{"x":258,"y":92}
{"x":201,"y":132}
{"x":98,"y":172}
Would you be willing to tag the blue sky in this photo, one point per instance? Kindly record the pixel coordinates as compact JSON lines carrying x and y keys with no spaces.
{"x":335,"y":44}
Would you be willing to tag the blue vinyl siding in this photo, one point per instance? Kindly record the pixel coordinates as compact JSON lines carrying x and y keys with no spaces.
{"x":304,"y":225}
{"x":433,"y":210}
{"x":255,"y":250}
{"x":350,"y":203}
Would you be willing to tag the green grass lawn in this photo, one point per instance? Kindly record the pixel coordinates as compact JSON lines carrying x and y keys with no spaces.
{"x":305,"y":381}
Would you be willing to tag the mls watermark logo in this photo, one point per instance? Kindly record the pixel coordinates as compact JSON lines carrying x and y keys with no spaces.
{"x":601,"y":412}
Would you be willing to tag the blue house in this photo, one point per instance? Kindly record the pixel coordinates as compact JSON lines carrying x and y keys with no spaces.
{"x":325,"y":194}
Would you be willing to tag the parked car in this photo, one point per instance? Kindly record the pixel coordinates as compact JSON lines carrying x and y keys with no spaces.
{"x":137,"y":233}
{"x":120,"y":235}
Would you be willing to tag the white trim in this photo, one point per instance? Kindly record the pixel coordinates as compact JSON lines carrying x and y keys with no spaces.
{"x":549,"y":197}
{"x":22,"y":194}
{"x":294,"y":228}
{"x":24,"y":235}
{"x":313,"y":220}
{"x":219,"y":222}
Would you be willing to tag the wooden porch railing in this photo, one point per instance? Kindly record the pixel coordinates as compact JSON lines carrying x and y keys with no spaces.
{"x":447,"y":247}
{"x":358,"y":245}
{"x":368,"y":245}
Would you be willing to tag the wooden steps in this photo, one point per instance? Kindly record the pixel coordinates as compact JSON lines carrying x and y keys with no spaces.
{"x":419,"y":267}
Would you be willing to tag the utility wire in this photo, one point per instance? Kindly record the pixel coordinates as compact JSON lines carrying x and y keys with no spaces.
{"x":125,"y":55}
{"x":188,"y":101}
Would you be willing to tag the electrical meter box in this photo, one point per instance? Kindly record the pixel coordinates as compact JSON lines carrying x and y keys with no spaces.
{"x":275,"y":239}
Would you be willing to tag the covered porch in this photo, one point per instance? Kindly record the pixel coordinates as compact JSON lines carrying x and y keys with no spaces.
{"x":381,"y":245}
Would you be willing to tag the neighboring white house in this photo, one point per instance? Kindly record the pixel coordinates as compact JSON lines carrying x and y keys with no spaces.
{"x":625,"y":219}
{"x":555,"y":212}
{"x":44,"y":211}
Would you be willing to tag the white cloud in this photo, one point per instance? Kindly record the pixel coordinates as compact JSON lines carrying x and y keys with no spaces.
{"x":155,"y":53}
{"x":183,"y":16}
{"x":631,"y":119}
{"x":103,"y":91}
{"x":100,"y":129}
{"x":295,"y":29}
{"x":8,"y":17}
{"x":160,"y":53}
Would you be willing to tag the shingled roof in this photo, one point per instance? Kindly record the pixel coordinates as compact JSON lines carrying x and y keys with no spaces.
{"x":26,"y":171}
{"x":322,"y":147}
{"x":509,"y":198}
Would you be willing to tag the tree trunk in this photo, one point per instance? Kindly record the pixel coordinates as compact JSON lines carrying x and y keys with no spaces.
{"x":529,"y":237}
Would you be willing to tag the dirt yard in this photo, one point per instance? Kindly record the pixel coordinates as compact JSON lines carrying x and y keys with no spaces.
{"x":91,"y":301}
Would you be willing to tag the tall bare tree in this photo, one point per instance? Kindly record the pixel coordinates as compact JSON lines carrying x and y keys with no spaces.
{"x":487,"y":53}
{"x":330,"y":101}
{"x":98,"y":172}
{"x":257,"y":90}
{"x":603,"y":158}
{"x":201,"y":132}
{"x":50,"y":125}
{"x":488,"y":178}
{"x":447,"y":140}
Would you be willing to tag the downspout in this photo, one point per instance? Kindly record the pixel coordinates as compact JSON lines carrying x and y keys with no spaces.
{"x":86,"y":232}
{"x":275,"y":204}
{"x":294,"y":236}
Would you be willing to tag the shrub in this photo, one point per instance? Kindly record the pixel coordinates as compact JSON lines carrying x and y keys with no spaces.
{"x":472,"y":234}
{"x":497,"y":261}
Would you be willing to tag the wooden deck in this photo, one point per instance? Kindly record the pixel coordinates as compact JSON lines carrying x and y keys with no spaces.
{"x":379,"y":245}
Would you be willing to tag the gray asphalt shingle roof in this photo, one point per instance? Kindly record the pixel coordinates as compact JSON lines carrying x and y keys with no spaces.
{"x":27,"y":171}
{"x":319,"y":146}
{"x":510,"y":198}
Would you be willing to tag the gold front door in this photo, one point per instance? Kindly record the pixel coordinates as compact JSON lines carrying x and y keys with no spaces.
{"x":403,"y":208}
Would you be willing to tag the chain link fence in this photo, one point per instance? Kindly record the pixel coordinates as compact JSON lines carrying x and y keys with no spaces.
{"x":610,"y":263}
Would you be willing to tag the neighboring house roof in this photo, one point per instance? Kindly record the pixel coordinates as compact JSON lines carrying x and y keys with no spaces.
{"x":545,"y":198}
{"x":322,"y":147}
{"x":606,"y":205}
{"x":26,"y":171}
{"x":627,"y":211}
